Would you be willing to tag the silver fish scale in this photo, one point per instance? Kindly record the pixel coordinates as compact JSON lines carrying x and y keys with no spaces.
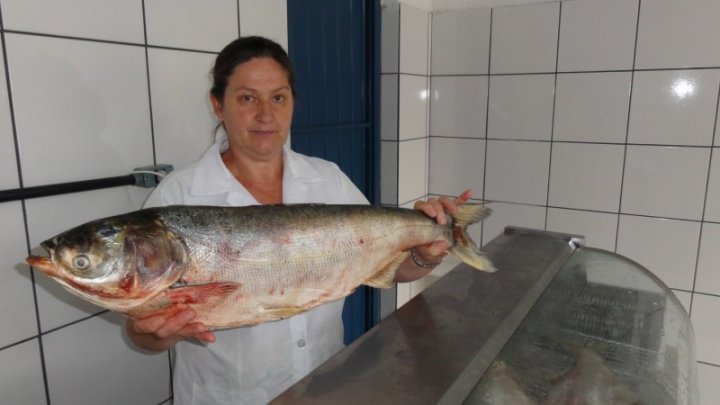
{"x":291,"y":256}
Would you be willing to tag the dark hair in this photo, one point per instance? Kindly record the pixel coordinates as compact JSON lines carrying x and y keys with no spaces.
{"x":242,"y":50}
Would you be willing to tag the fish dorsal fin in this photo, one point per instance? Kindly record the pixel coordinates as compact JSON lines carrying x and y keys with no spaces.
{"x":385,"y":278}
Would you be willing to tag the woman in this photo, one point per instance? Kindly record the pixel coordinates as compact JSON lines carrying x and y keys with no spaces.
{"x":253,"y":97}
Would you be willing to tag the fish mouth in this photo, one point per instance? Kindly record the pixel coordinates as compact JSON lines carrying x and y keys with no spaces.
{"x":42,"y":263}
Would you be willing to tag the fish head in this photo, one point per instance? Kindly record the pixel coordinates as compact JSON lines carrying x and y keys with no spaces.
{"x":117,"y":263}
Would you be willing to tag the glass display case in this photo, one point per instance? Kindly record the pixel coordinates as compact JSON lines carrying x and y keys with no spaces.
{"x":605,"y":331}
{"x":559,"y":323}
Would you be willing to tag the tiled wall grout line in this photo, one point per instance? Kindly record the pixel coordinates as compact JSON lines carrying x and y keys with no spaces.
{"x":24,"y":213}
{"x":628,"y":214}
{"x":152,"y":129}
{"x":627,"y":127}
{"x":397,"y":114}
{"x":149,"y":85}
{"x":428,"y":118}
{"x":705,"y":200}
{"x":571,"y":72}
{"x":75,"y":322}
{"x":397,"y":128}
{"x":106,"y":41}
{"x":237,"y":9}
{"x":558,"y":141}
{"x":487,"y":125}
{"x":552,"y":119}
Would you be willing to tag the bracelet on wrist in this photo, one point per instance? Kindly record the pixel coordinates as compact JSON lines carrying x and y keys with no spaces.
{"x":421,"y":263}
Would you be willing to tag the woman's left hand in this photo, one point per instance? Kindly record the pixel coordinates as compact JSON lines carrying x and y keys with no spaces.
{"x":438,"y":208}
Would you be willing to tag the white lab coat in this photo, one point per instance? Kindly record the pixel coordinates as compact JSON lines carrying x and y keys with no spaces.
{"x":254,"y":364}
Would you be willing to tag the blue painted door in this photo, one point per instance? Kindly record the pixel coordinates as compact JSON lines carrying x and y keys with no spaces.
{"x":334,"y":47}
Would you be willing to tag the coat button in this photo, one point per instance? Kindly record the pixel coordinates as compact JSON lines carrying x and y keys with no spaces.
{"x":301,"y":343}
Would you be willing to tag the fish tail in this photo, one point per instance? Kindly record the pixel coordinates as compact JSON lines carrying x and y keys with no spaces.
{"x":464,"y":248}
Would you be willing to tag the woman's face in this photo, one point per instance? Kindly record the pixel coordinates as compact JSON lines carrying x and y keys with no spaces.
{"x":256,"y":109}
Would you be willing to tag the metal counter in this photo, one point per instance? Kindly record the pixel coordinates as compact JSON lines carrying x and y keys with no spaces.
{"x":435,"y":348}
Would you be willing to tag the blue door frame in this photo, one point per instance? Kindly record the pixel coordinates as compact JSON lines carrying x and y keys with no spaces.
{"x":334,"y":46}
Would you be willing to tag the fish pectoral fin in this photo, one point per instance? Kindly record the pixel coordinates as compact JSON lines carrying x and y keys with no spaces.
{"x":174,"y":300}
{"x":201,"y":296}
{"x":385,"y":278}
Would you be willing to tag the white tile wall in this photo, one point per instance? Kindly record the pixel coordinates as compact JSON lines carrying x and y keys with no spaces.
{"x":413,"y":107}
{"x":674,"y":107}
{"x":592,"y":107}
{"x":414,"y":30}
{"x":666,"y":247}
{"x":598,"y":228}
{"x":517,"y":172}
{"x":405,"y":108}
{"x":707,"y":330}
{"x":93,"y":100}
{"x":524,"y":39}
{"x":465,"y":170}
{"x":678,"y":34}
{"x":82,"y":77}
{"x":267,"y":18}
{"x":460,"y":42}
{"x":586,"y":176}
{"x":717,"y":129}
{"x":17,"y":307}
{"x":503,"y":215}
{"x":8,"y":163}
{"x":458,"y":106}
{"x":97,"y":353}
{"x":21,"y":376}
{"x":521,"y":107}
{"x":708,"y":377}
{"x":412,"y":170}
{"x":665,"y":181}
{"x":389,"y":173}
{"x":182,"y":114}
{"x":597,"y":35}
{"x":708,"y":272}
{"x":634,"y":164}
{"x":107,"y":20}
{"x":712,"y":204}
{"x":191,"y":25}
{"x":389,"y":90}
{"x":685,"y":299}
{"x":390,"y":41}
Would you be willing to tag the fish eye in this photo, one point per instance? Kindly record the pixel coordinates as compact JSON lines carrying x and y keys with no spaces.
{"x":81,"y":262}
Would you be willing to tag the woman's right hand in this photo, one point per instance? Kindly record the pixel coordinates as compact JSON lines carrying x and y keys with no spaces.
{"x":158,"y":333}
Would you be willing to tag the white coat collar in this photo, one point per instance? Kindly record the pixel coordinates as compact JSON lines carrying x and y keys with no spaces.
{"x":212,"y":177}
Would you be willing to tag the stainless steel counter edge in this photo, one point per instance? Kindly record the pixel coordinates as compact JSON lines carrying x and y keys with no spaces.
{"x":480,"y":363}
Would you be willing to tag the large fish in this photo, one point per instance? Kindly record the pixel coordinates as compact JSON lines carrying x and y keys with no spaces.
{"x":238,"y":266}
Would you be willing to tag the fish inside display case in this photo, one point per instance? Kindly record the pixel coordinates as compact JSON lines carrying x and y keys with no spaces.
{"x":603,"y":332}
{"x":558,"y":323}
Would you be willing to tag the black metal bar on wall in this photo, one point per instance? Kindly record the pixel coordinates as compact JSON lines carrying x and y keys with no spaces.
{"x":143,"y":177}
{"x":63,"y":188}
